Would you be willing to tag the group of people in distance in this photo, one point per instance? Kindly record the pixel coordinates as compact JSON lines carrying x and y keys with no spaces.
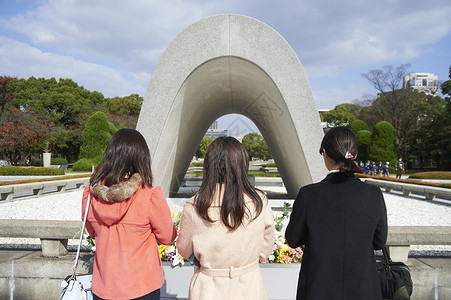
{"x":370,"y":168}
{"x":228,"y":225}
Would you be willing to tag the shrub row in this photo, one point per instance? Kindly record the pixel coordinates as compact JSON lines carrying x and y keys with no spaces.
{"x":270,"y":165}
{"x":196,"y":164}
{"x":432,"y":175}
{"x":44,"y":179}
{"x":30,"y":171}
{"x":85,"y":164}
{"x":443,"y":185}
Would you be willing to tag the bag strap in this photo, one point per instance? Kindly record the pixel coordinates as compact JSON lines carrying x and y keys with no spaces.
{"x":387,"y":259}
{"x":82,"y":232}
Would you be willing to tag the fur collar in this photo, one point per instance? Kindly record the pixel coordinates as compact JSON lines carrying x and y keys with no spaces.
{"x":117,"y":192}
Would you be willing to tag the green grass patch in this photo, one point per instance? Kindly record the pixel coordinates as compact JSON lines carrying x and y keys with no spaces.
{"x":263,"y":174}
{"x":445,"y":175}
{"x":271,"y":165}
{"x":195,"y":173}
{"x":196,"y":164}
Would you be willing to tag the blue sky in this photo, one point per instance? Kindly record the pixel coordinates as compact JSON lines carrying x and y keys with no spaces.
{"x":112,"y":46}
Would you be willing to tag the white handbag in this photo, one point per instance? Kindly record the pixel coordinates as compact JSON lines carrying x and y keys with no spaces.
{"x":76,"y":286}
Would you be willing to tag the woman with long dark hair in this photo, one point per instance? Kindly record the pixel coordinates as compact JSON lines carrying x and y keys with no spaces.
{"x":228,"y":225}
{"x":126,"y":218}
{"x":340,"y":221}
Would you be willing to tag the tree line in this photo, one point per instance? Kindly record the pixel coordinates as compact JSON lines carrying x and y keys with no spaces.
{"x":39,"y":113}
{"x":421,"y":122}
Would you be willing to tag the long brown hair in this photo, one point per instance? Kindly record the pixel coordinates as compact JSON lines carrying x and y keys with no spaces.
{"x":227,"y":162}
{"x":127,"y":153}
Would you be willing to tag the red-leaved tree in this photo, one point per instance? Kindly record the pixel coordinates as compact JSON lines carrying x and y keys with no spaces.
{"x":21,"y":133}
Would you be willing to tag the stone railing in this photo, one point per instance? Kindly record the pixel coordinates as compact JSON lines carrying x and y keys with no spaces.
{"x":400,"y":238}
{"x":430,"y":192}
{"x":54,"y":235}
{"x":9,"y":192}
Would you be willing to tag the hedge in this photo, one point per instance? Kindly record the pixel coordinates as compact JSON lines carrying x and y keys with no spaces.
{"x":30,"y":171}
{"x":44,"y":179}
{"x":432,"y":175}
{"x":443,"y":185}
{"x":58,"y":161}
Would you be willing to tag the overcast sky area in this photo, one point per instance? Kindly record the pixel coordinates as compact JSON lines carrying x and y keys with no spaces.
{"x":113,"y":46}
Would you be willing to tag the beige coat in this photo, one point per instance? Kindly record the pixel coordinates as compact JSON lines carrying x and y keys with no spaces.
{"x":229,"y":260}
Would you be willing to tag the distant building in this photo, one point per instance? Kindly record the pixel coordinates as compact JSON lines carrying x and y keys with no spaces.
{"x":422,"y":82}
{"x":213,"y":132}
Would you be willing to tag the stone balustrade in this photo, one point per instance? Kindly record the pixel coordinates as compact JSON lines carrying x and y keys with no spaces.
{"x":430,"y":192}
{"x":9,"y":192}
{"x":54,"y":235}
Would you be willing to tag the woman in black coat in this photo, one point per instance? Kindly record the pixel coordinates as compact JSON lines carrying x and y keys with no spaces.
{"x":340,"y":220}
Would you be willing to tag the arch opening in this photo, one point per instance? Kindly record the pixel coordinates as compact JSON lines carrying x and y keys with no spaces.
{"x":247,"y":69}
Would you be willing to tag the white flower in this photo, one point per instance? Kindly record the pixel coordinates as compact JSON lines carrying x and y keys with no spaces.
{"x":170,"y":249}
{"x":177,"y":260}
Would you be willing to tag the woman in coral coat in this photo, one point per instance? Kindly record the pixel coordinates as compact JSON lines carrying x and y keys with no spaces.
{"x":126,"y":218}
{"x":340,"y":220}
{"x":228,"y":226}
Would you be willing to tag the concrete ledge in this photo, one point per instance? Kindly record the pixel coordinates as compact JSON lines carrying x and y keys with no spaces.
{"x":430,"y":192}
{"x":401,"y":237}
{"x":28,"y":275}
{"x":54,"y":235}
{"x":9,"y":192}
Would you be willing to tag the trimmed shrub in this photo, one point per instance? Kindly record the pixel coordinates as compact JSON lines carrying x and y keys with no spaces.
{"x":358,"y":125}
{"x":30,"y":171}
{"x":196,"y":164}
{"x":363,"y":138}
{"x":58,"y":161}
{"x":85,"y":164}
{"x":441,"y":175}
{"x":36,"y":162}
{"x":270,"y":165}
{"x":383,"y":143}
{"x":97,"y":133}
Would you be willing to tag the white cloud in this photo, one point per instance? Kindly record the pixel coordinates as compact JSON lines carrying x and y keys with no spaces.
{"x":112,"y":46}
{"x":21,"y":60}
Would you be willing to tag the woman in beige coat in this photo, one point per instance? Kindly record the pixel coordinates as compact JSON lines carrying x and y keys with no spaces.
{"x":228,"y":226}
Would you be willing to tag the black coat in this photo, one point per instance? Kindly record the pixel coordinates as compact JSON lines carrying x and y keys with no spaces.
{"x":340,"y":220}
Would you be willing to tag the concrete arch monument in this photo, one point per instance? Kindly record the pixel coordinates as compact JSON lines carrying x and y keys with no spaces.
{"x":231,"y":64}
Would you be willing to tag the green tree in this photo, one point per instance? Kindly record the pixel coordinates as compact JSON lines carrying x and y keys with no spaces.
{"x":405,"y":109}
{"x":203,"y":146}
{"x":363,"y":139}
{"x":358,"y":125}
{"x":446,"y":87}
{"x":256,"y":146}
{"x":97,"y":133}
{"x":130,"y":105}
{"x":66,"y":104}
{"x":383,"y":143}
{"x":341,"y":115}
{"x":431,"y":145}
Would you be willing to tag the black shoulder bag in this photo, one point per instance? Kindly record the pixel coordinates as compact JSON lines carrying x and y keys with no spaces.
{"x":395,"y":280}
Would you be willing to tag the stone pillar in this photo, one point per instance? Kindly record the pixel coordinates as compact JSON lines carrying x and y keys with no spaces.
{"x":47,"y":156}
